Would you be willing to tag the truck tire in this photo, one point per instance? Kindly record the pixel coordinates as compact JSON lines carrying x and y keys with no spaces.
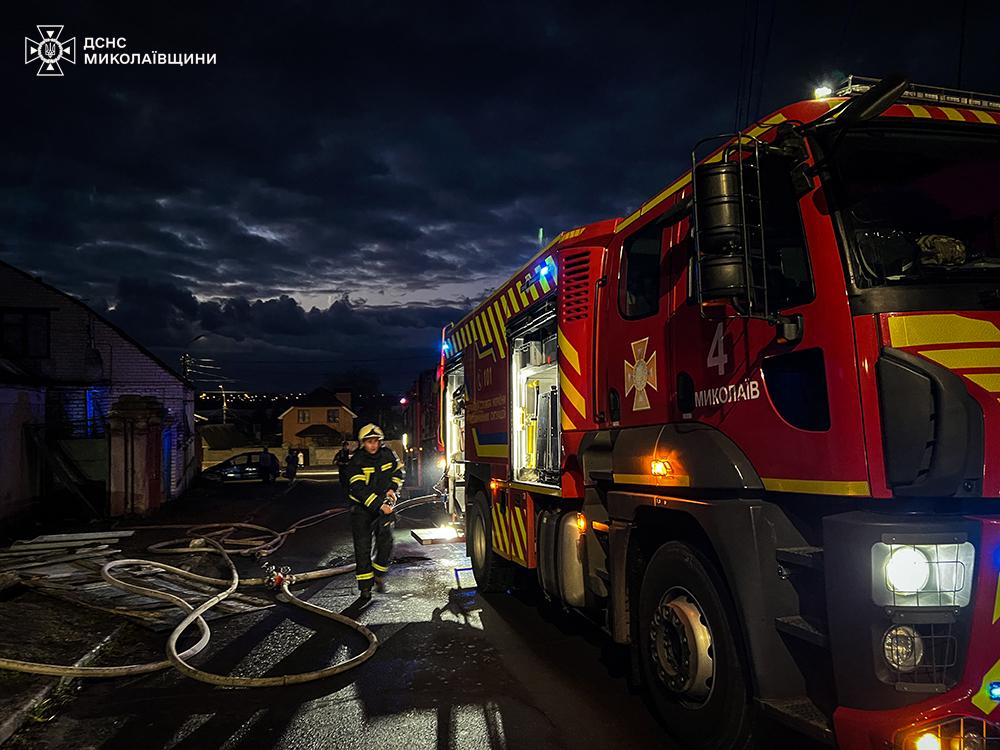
{"x":691,"y":661}
{"x":493,"y":573}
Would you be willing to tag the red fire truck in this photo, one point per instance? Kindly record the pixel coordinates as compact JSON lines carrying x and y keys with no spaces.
{"x":753,"y":429}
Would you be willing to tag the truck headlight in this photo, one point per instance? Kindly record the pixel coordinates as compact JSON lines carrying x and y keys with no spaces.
{"x":903,"y":648}
{"x":923,"y":575}
{"x":907,"y":571}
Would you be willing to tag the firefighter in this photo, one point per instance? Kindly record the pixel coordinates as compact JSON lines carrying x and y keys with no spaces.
{"x":376,"y":474}
{"x":342,"y":459}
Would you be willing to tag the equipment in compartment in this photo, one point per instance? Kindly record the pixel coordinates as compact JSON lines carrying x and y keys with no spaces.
{"x":535,"y":420}
{"x":453,"y":414}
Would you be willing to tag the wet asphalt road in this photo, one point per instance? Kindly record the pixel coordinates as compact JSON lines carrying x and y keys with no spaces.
{"x":455,"y":670}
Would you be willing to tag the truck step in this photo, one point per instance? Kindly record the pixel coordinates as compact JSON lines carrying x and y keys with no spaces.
{"x":801,"y":557}
{"x":802,"y":715}
{"x":801,"y":628}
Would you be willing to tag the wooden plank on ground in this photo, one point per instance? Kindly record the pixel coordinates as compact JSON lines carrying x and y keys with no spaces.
{"x":25,"y":546}
{"x":64,"y":558}
{"x":80,"y":537}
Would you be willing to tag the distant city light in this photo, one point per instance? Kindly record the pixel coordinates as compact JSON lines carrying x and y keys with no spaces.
{"x":821,"y":92}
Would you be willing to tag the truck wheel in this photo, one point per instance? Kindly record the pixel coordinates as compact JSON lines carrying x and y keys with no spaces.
{"x":492,"y":572}
{"x":691,"y":662}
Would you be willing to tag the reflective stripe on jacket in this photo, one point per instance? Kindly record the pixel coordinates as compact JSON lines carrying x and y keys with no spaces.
{"x":373,"y":475}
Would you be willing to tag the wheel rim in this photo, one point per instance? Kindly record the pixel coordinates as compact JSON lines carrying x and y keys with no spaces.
{"x":681,"y":647}
{"x":478,"y":542}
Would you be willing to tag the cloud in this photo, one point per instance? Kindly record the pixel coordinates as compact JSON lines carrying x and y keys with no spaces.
{"x":394,"y":152}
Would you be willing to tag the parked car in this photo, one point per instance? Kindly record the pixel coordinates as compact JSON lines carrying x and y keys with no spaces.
{"x":242,"y":466}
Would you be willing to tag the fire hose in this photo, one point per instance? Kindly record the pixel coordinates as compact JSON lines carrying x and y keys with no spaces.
{"x":211,"y":538}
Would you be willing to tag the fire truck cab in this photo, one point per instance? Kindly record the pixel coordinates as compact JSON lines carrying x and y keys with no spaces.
{"x":753,"y":429}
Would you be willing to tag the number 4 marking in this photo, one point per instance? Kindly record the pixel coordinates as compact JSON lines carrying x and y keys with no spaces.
{"x":717,"y":356}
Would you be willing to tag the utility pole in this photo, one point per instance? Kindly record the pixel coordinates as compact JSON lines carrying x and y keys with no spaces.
{"x":225,"y":407}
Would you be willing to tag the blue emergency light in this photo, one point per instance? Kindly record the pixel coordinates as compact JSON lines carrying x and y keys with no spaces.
{"x":994,"y":691}
{"x":444,"y":347}
{"x":544,"y":270}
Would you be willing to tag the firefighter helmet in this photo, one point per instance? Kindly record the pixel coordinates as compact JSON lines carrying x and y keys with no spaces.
{"x":371,"y":431}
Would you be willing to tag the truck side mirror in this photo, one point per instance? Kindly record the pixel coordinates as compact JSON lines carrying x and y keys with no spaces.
{"x":720,"y":230}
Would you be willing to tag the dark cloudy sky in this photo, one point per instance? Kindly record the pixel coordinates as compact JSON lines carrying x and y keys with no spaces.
{"x":350,"y":176}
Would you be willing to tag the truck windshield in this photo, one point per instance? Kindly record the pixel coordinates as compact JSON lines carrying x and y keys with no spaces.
{"x":920,"y":204}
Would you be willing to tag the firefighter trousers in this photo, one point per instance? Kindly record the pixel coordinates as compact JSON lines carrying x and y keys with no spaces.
{"x":363,"y":526}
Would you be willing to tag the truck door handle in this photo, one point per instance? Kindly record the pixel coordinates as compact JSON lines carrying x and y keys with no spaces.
{"x":614,"y":405}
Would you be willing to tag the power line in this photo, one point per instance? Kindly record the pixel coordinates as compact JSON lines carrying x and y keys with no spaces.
{"x":742,"y":66}
{"x":763,"y":62}
{"x":961,"y":42}
{"x":391,"y":357}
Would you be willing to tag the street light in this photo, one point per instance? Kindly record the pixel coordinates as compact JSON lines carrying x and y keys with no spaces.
{"x":224,"y":406}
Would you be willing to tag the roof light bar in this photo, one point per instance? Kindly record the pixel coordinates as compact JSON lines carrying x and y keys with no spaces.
{"x":854,"y":85}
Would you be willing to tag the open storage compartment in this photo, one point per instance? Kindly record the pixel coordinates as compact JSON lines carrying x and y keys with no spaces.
{"x":534,"y":384}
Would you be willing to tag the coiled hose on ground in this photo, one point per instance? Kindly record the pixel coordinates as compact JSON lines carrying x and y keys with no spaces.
{"x":212,"y":539}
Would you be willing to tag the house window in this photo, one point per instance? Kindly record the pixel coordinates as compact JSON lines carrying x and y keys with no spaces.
{"x":24,"y":333}
{"x":333,"y":416}
{"x":303,"y":416}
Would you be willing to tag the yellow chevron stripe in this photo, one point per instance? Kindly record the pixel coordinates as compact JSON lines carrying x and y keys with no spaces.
{"x":484,"y":329}
{"x":816,"y":486}
{"x":990,"y":381}
{"x":533,"y":289}
{"x":496,"y":533}
{"x":524,"y":297}
{"x":917,"y":111}
{"x":513,"y":300}
{"x":516,"y":545}
{"x":573,"y":395}
{"x":983,"y":117}
{"x":545,"y":284}
{"x":567,"y":423}
{"x":571,"y":355}
{"x":996,"y":607}
{"x":982,"y":698}
{"x":964,"y":358}
{"x":952,"y":114}
{"x":502,"y":530}
{"x":519,"y":517}
{"x":553,"y":269}
{"x":946,"y":328}
{"x":506,"y":309}
{"x":491,"y":321}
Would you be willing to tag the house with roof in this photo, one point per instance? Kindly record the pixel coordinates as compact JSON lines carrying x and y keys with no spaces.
{"x":320,"y":419}
{"x":86,"y":411}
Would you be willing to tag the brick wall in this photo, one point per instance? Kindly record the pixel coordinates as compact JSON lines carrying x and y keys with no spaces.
{"x":84,"y":348}
{"x":19,"y":469}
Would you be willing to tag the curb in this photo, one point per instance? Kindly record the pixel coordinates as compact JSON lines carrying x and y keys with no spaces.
{"x":20,"y":716}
